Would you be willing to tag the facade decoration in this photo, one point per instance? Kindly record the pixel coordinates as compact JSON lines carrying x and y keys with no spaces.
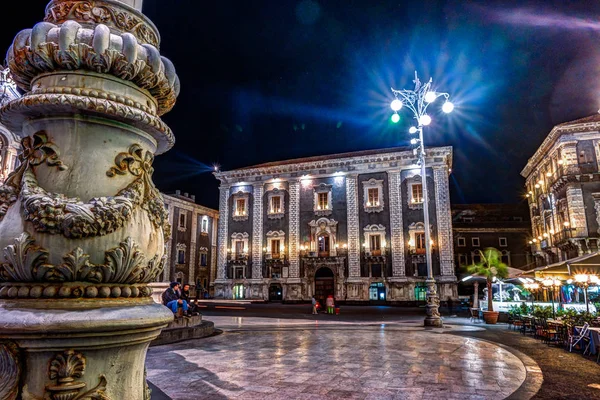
{"x":65,"y":368}
{"x":241,"y":202}
{"x":373,"y":195}
{"x":82,"y":227}
{"x":276,"y":204}
{"x":561,"y":181}
{"x":329,"y":239}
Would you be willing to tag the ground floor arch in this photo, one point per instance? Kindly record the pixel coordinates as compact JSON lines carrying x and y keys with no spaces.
{"x":324,"y":284}
{"x":275,"y":292}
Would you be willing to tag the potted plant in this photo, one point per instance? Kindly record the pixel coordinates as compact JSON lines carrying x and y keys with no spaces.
{"x":490,"y":267}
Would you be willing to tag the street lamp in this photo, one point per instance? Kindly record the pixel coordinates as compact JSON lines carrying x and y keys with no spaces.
{"x":584,"y":281}
{"x":417,"y":101}
{"x":551,"y":284}
{"x":532,"y":288}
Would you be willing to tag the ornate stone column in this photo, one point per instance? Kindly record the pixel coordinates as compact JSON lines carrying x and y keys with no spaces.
{"x":257,"y":230}
{"x":82,"y":226}
{"x":353,"y":226}
{"x":396,"y":226}
{"x":444,"y":220}
{"x":192,"y":252}
{"x":576,"y":208}
{"x":294,"y":247}
{"x":223,"y":239}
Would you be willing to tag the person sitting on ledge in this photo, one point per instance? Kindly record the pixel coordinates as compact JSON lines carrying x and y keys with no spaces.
{"x":170,"y":299}
{"x":185,"y":296}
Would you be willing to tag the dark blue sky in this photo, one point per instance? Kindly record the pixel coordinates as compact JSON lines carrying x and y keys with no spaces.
{"x":269,"y":80}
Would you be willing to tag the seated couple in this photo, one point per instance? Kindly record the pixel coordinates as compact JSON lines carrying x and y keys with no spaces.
{"x":174,"y":299}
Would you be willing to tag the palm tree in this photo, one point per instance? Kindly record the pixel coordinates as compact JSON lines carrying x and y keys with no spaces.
{"x":490,"y":266}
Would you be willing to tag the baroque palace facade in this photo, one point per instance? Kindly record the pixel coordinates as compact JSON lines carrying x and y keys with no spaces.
{"x":562,"y":180}
{"x":350,"y":225}
{"x":9,"y":143}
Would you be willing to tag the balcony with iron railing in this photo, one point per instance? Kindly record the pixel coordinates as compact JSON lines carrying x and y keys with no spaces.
{"x":564,"y":235}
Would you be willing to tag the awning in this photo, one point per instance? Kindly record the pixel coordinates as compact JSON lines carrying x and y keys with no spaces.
{"x":585,"y":264}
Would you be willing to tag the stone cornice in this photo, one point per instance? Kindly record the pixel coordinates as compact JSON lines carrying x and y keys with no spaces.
{"x":383,"y":161}
{"x":552,"y":137}
{"x":189,"y":206}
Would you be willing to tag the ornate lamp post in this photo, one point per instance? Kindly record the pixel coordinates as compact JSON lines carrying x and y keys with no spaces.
{"x":532,"y":288}
{"x":551,"y":284}
{"x":417,"y":101}
{"x":584,"y":281}
{"x":82,"y":226}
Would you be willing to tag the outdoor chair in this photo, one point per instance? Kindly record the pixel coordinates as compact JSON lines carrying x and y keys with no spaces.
{"x":528,"y":326}
{"x":517,"y":323}
{"x":474,"y":315}
{"x":579,"y":337}
{"x":550,"y":332}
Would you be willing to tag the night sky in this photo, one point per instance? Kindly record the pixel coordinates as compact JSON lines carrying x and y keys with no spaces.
{"x":270,"y":80}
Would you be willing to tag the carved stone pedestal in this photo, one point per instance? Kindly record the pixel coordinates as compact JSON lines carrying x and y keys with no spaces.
{"x":82,"y":226}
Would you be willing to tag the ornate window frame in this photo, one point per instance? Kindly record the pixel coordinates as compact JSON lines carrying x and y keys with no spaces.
{"x":182,"y":222}
{"x":324,"y":226}
{"x":375,"y":230}
{"x":201,"y":251}
{"x":323,"y":188}
{"x":373,"y":184}
{"x":276,"y":192}
{"x":204,"y":224}
{"x":501,"y":240}
{"x":241,"y":195}
{"x":473,"y":239}
{"x":181,"y":249}
{"x":413,"y":229}
{"x":275,"y":235}
{"x":412,"y":204}
{"x":461,"y":241}
{"x":239,"y":237}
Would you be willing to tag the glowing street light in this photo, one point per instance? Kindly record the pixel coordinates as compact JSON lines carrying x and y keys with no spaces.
{"x":417,"y":100}
{"x":395,"y":118}
{"x":396,"y":105}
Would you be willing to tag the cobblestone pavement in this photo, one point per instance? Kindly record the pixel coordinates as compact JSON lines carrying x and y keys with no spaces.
{"x":272,"y":359}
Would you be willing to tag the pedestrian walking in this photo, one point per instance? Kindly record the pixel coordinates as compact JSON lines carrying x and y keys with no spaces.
{"x":329,"y":303}
{"x":314,"y":305}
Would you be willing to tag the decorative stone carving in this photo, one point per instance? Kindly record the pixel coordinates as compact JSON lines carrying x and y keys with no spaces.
{"x":57,"y":214}
{"x":102,"y":12}
{"x":378,"y":205}
{"x":241,"y":215}
{"x":65,"y":368}
{"x":444,"y":220}
{"x":10,"y":371}
{"x":276,"y":214}
{"x":37,"y":105}
{"x":257,"y":230}
{"x":353,"y":226}
{"x":294,"y":228}
{"x":328,"y":209}
{"x":375,"y":229}
{"x":27,"y":262}
{"x":396,"y":225}
{"x":35,"y":52}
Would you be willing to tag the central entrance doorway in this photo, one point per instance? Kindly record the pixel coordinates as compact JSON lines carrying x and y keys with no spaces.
{"x":377,"y":292}
{"x":275,"y":292}
{"x":324,"y":284}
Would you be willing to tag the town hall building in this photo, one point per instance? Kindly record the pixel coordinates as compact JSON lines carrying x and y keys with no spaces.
{"x":349,"y":225}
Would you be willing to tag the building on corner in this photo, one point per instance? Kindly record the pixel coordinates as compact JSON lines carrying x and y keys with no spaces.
{"x":562,"y":181}
{"x":347,"y":224}
{"x":191,"y":251}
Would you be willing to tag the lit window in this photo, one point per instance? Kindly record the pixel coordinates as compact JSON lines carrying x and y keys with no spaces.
{"x":275,"y":205}
{"x":420,"y":242}
{"x":240,"y":207}
{"x":373,"y":197}
{"x":205,"y":225}
{"x":375,"y":243}
{"x":417,"y":193}
{"x":275,"y":245}
{"x":503,"y":242}
{"x":475,"y":242}
{"x":323,"y":200}
{"x":182,"y":220}
{"x":462,"y":242}
{"x":239,"y":247}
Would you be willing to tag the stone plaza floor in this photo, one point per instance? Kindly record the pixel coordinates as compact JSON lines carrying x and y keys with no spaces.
{"x":270,"y":358}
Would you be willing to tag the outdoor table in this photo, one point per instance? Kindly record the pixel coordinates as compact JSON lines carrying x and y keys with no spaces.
{"x":590,"y":329}
{"x":555,"y":322}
